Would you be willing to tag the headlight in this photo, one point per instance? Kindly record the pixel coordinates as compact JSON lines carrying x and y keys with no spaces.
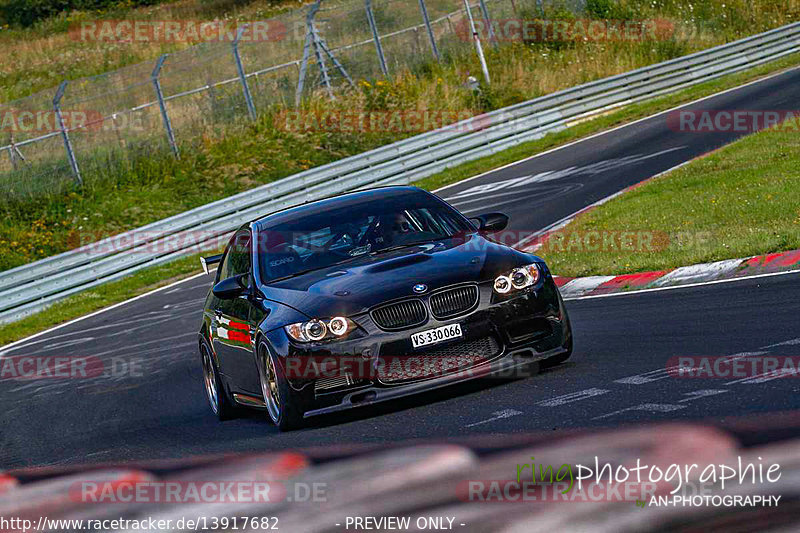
{"x":519,"y":278}
{"x":502,"y":284}
{"x":317,"y":330}
{"x":338,"y":326}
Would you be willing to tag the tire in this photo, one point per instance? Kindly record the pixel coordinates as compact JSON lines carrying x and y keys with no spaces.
{"x":284,"y":405}
{"x":219,"y":401}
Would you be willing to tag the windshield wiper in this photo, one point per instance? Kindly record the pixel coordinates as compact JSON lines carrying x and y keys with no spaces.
{"x":298,"y":273}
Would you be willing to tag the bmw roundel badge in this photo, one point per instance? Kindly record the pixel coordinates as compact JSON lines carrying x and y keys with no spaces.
{"x":419,"y":288}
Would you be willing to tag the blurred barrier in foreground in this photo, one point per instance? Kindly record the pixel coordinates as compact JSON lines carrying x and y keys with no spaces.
{"x":651,"y":478}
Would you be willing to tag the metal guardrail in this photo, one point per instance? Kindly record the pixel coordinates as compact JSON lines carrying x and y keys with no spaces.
{"x":32,"y":287}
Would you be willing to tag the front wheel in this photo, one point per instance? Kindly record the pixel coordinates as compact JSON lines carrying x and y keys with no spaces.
{"x":283,"y":403}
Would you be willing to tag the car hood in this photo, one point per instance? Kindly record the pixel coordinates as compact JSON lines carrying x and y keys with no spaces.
{"x":360,"y":284}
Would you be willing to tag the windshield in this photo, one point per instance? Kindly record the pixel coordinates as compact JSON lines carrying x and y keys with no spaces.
{"x":336,"y":236}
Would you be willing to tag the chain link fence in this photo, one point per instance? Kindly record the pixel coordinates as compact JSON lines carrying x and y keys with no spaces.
{"x":94,"y":126}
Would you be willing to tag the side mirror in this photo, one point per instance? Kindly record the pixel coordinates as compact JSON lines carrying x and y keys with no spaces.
{"x":230,"y":288}
{"x":492,"y":221}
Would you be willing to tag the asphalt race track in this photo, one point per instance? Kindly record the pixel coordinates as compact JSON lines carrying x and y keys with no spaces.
{"x":153,"y":405}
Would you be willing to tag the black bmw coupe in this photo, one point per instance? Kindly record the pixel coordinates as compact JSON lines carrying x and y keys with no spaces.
{"x":370,"y":296}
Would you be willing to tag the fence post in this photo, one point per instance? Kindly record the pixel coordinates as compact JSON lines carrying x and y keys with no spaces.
{"x":73,"y":163}
{"x":478,"y":46}
{"x":376,"y":37}
{"x":311,"y":42}
{"x":488,"y":22}
{"x":320,"y":47}
{"x":301,"y":76}
{"x":427,"y":20}
{"x":11,"y":153}
{"x":240,"y":69}
{"x":162,"y":105}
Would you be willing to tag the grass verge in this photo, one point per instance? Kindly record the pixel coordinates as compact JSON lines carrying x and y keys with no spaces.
{"x":565,"y":264}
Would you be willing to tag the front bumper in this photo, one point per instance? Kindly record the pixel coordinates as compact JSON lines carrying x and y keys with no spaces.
{"x":528,"y":326}
{"x":504,"y":366}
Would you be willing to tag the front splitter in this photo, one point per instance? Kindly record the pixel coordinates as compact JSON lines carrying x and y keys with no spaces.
{"x":373,"y":395}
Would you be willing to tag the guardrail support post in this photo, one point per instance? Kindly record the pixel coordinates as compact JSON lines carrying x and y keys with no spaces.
{"x":427,"y":21}
{"x":73,"y":163}
{"x":477,"y":40}
{"x":251,"y":108}
{"x":162,"y":105}
{"x":376,"y":37}
{"x":488,"y":22}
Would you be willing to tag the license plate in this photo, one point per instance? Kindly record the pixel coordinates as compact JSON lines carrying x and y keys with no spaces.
{"x":437,"y":335}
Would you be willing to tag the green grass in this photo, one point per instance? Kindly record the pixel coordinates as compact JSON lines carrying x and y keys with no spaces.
{"x":149,"y":279}
{"x":739,"y":201}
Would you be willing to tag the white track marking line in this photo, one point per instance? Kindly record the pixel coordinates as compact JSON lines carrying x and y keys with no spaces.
{"x":702,"y":393}
{"x":136,"y":349}
{"x":7,"y":347}
{"x":494,"y":189}
{"x":649,"y":407}
{"x":147,"y":319}
{"x":563,"y":222}
{"x":688,"y":285}
{"x":670,"y":371}
{"x":498,"y":415}
{"x":605,"y":132}
{"x":647,"y":377}
{"x":572,"y":397}
{"x":790,"y":342}
{"x":766,"y":376}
